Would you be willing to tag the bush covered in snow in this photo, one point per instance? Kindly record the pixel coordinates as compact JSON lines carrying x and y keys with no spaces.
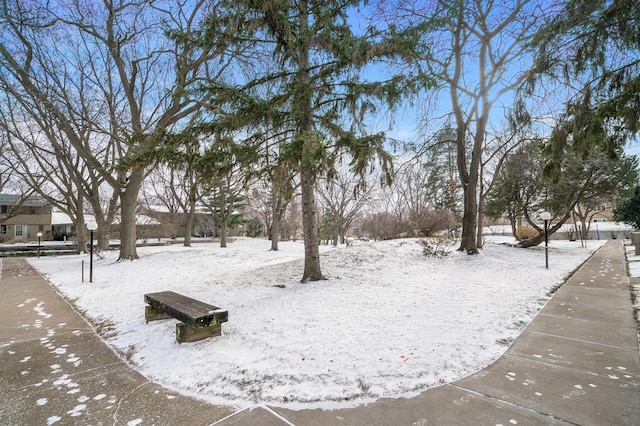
{"x":436,"y":246}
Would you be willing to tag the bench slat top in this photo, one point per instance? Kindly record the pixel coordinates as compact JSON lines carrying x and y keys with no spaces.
{"x":184,"y":308}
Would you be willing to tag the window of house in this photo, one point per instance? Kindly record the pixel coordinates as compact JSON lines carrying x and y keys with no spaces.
{"x":3,"y":229}
{"x":19,"y":231}
{"x":4,"y":209}
{"x":40,"y":228}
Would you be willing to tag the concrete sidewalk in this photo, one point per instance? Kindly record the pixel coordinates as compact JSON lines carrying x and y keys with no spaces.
{"x":576,"y":363}
{"x":54,"y":369}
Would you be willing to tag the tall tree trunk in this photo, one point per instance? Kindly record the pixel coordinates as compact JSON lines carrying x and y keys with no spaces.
{"x":106,"y":222}
{"x":469,"y":219}
{"x":309,"y":225}
{"x":469,"y":180}
{"x":275,"y":221}
{"x":81,"y":234}
{"x":128,"y":205}
{"x":188,"y":226}
{"x":479,"y":237}
{"x":513,"y":223}
{"x":223,"y":232}
{"x":224,"y":218}
{"x":307,"y":167}
{"x":584,"y":225}
{"x":103,"y":238}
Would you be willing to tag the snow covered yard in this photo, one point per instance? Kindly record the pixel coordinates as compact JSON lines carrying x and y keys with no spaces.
{"x":387,"y":322}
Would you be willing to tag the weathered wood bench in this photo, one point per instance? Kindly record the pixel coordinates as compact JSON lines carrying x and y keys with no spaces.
{"x":199,"y":320}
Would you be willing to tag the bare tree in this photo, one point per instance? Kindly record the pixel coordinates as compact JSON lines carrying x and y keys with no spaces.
{"x":108,"y":70}
{"x":270,"y":199}
{"x":6,"y":163}
{"x":342,"y":199}
{"x":424,"y":200}
{"x":164,"y":198}
{"x":50,"y":165}
{"x":477,"y":51}
{"x":498,"y":147}
{"x":259,"y":205}
{"x":294,"y":219}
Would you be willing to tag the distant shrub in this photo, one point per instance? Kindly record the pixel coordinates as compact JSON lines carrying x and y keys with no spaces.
{"x":571,"y":232}
{"x":436,"y":246}
{"x":525,"y":233}
{"x":431,"y":222}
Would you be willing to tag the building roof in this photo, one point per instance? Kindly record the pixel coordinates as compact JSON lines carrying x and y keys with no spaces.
{"x":30,"y":201}
{"x":61,"y":218}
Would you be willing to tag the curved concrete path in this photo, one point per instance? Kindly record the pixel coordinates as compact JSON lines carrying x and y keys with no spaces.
{"x":55,"y":370}
{"x":577,"y":363}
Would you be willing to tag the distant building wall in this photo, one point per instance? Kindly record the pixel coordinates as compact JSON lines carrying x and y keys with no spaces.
{"x":24,"y":222}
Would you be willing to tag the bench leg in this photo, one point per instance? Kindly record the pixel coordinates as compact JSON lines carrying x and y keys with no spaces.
{"x":187,"y":333}
{"x":153,"y":314}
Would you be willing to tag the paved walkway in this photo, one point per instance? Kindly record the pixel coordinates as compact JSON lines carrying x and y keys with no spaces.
{"x":577,"y":363}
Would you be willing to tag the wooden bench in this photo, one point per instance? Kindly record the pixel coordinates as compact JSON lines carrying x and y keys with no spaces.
{"x":199,"y":320}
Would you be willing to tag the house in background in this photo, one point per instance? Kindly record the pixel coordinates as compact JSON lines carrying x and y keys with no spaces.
{"x":22,"y":218}
{"x":62,"y":226}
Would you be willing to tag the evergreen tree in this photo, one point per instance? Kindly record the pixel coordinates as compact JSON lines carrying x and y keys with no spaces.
{"x":594,"y":46}
{"x":629,"y":210}
{"x":322,"y":100}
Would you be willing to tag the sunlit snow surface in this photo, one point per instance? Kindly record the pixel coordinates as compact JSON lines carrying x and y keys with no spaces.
{"x":387,"y":322}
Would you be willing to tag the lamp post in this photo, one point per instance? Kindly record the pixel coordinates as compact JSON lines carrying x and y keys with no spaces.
{"x":546,"y":216}
{"x":91,"y":226}
{"x":39,"y":234}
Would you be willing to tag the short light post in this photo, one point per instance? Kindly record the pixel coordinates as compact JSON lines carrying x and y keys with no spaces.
{"x":91,"y":226}
{"x":39,"y":234}
{"x":546,"y":216}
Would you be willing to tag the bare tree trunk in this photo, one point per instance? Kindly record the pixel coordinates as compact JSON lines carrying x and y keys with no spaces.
{"x":129,"y":203}
{"x":275,"y":221}
{"x":479,"y":237}
{"x":469,"y":180}
{"x":224,"y":218}
{"x":81,"y":235}
{"x":188,"y":227}
{"x":223,"y":233}
{"x":512,"y":222}
{"x":105,"y":235}
{"x":469,"y":219}
{"x":103,"y":239}
{"x":532,"y":242}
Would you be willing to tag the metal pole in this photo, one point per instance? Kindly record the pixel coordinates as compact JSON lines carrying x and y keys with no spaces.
{"x":91,"y":258}
{"x":38,"y":247}
{"x":546,"y":244}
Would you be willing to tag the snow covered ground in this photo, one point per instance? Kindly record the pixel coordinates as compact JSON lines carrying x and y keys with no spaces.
{"x":388,"y":321}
